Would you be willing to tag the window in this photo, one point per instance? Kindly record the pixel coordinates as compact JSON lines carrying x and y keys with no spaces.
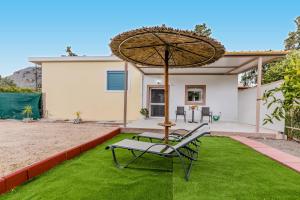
{"x":195,"y":94}
{"x":115,"y":80}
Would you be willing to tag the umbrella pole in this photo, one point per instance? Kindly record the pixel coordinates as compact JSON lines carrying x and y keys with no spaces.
{"x":166,"y":93}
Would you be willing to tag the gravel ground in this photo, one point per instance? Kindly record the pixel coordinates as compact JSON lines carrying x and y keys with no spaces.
{"x":22,"y":144}
{"x":290,"y":147}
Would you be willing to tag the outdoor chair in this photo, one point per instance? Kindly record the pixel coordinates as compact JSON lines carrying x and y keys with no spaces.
{"x":205,"y":112}
{"x":174,"y":136}
{"x":180,"y":111}
{"x":181,"y":150}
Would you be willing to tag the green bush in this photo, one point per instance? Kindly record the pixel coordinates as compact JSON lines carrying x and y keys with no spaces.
{"x":294,"y":122}
{"x":287,"y":108}
{"x":13,"y":89}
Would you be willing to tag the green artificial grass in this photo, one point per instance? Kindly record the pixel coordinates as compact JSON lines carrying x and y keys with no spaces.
{"x":225,"y":170}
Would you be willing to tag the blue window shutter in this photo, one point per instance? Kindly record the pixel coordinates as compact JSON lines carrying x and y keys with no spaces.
{"x":115,"y":80}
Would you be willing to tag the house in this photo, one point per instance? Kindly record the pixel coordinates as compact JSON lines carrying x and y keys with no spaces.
{"x":94,"y":85}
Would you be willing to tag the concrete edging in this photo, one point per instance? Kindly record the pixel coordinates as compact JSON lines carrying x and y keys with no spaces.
{"x":22,"y":175}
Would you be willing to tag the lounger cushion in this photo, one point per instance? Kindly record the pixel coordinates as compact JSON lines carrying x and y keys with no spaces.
{"x":140,"y":146}
{"x":152,"y":135}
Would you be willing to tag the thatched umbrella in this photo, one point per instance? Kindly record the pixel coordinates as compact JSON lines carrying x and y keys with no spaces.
{"x":166,"y":47}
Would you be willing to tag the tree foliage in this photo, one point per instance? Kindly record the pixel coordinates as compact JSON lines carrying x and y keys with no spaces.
{"x":70,"y":52}
{"x":6,"y":82}
{"x":292,"y":42}
{"x":13,"y":89}
{"x":273,"y":72}
{"x":202,"y":30}
{"x":286,"y":107}
{"x":270,"y":73}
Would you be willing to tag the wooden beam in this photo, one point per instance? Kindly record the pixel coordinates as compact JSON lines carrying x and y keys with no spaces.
{"x":166,"y":92}
{"x":265,"y":62}
{"x":258,"y":94}
{"x":125,"y":94}
{"x":255,"y":53}
{"x":242,"y":65}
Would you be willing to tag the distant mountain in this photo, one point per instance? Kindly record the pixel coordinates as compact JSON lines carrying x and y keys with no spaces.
{"x":29,"y":77}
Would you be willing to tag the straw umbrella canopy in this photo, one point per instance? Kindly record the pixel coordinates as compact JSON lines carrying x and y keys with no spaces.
{"x":167,"y":48}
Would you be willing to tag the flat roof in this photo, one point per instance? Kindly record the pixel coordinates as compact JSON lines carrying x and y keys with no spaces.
{"x":231,"y":63}
{"x":40,"y":60}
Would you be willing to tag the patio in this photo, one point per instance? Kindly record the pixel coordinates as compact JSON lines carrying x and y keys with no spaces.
{"x":217,"y":128}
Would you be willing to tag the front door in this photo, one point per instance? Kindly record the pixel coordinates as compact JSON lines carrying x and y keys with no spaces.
{"x":157,"y":102}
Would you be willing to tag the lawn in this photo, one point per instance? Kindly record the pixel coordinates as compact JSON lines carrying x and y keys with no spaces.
{"x":225,"y":170}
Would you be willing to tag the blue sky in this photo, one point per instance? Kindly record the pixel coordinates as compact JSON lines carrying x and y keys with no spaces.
{"x":45,"y":28}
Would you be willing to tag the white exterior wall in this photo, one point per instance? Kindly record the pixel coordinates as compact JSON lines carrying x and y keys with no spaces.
{"x":247,"y":107}
{"x":221,"y":93}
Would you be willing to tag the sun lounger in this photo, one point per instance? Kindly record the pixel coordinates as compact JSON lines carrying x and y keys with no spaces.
{"x":182,"y":150}
{"x":176,"y":135}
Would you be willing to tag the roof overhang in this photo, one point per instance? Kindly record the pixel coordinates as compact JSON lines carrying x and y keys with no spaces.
{"x":230,"y":64}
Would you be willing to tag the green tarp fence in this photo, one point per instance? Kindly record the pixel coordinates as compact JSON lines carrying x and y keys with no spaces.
{"x":12,"y":105}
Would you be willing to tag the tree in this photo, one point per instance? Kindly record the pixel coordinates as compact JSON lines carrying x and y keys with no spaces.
{"x":70,"y":52}
{"x":270,"y":73}
{"x":6,"y":82}
{"x":273,"y":72}
{"x":292,"y":42}
{"x":249,"y":78}
{"x":203,"y":30}
{"x":286,"y":107}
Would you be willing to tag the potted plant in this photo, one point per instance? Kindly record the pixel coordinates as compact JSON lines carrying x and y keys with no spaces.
{"x":216,"y":117}
{"x":27,"y":112}
{"x":78,"y":119}
{"x":145,"y":113}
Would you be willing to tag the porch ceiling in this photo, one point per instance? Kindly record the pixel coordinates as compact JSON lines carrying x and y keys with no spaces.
{"x":230,"y":63}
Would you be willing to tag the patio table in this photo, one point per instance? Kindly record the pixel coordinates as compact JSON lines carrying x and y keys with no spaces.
{"x":193,"y":114}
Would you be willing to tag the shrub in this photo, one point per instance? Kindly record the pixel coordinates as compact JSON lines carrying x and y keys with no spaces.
{"x":14,"y":89}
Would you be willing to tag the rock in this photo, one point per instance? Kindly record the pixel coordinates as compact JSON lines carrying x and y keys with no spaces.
{"x":26,"y":78}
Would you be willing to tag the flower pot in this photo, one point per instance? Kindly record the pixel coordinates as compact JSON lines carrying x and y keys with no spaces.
{"x":77,"y":121}
{"x":27,"y":120}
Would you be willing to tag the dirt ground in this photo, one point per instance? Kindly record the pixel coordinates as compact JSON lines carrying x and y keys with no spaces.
{"x":290,"y":147}
{"x":22,"y":144}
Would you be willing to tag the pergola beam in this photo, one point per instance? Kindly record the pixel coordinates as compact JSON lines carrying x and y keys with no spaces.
{"x":242,"y":65}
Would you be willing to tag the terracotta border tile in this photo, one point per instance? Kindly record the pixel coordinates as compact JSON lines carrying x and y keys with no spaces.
{"x":71,"y":153}
{"x":44,"y":165}
{"x":2,"y":185}
{"x":16,"y":178}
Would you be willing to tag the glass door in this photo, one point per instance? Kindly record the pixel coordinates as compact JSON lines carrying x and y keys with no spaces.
{"x":157,"y":102}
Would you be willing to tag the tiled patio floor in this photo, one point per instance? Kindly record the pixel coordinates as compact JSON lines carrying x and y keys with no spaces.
{"x":217,"y":128}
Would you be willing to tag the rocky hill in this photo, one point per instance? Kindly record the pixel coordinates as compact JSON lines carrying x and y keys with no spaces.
{"x":30,"y":77}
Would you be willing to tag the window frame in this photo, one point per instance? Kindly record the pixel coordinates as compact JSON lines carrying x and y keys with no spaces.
{"x":106,"y":80}
{"x":203,"y":87}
